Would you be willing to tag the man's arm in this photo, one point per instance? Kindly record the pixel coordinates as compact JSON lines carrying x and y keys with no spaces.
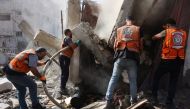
{"x":40,"y":63}
{"x":159,"y":35}
{"x":35,"y":72}
{"x":141,"y":39}
{"x":33,"y":63}
{"x":71,"y":43}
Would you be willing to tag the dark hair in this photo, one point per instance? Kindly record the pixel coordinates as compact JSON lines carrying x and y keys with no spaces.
{"x":40,"y":49}
{"x":67,"y":31}
{"x":130,"y":18}
{"x":170,"y":21}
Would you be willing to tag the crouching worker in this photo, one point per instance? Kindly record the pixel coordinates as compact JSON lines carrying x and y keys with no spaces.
{"x":16,"y":72}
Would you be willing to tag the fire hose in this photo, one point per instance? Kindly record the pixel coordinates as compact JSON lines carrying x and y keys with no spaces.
{"x":44,"y":71}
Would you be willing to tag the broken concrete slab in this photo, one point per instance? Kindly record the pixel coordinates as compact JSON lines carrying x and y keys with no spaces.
{"x":44,"y":37}
{"x":86,"y":34}
{"x":5,"y":85}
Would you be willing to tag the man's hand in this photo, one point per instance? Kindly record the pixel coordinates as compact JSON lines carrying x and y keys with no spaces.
{"x":43,"y":79}
{"x":78,"y":42}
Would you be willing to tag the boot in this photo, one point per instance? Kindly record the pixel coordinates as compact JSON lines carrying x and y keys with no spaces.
{"x":133,"y":101}
{"x":109,"y":105}
{"x":38,"y":106}
{"x":170,"y":104}
{"x":154,"y":100}
{"x":64,"y":92}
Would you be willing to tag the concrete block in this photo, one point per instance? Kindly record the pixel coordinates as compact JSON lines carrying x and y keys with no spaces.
{"x":5,"y":85}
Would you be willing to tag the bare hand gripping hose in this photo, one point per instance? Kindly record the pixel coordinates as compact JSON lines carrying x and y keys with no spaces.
{"x":44,"y":85}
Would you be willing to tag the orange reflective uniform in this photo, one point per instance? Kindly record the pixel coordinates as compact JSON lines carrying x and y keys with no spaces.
{"x":128,"y":37}
{"x":69,"y":52}
{"x":20,"y":62}
{"x":174,"y":44}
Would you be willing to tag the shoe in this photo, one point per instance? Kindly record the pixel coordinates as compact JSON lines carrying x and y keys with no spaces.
{"x":169,"y":101}
{"x":64,"y":92}
{"x":133,"y":101}
{"x":109,"y":105}
{"x":38,"y":106}
{"x":170,"y":104}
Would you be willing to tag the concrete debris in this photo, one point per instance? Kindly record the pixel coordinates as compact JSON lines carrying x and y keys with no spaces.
{"x":68,"y":101}
{"x":14,"y":102}
{"x":5,"y":85}
{"x":90,"y":40}
{"x":4,"y":106}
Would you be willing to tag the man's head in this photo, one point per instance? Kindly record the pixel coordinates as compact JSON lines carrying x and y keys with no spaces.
{"x":68,"y":33}
{"x":41,"y":52}
{"x":129,"y":20}
{"x":169,"y":22}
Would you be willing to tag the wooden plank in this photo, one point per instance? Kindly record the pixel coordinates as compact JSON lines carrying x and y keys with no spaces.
{"x":138,"y":104}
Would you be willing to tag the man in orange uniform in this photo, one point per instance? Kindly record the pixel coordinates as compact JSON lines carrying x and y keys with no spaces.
{"x":172,"y":58}
{"x":16,"y":71}
{"x":65,"y":57}
{"x":127,"y":47}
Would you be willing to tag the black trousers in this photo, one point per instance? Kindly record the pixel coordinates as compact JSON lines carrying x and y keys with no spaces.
{"x":64,"y":64}
{"x":172,"y":67}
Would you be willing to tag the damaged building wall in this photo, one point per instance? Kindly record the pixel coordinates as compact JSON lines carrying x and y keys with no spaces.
{"x":73,"y":19}
{"x":73,"y":13}
{"x":38,"y":13}
{"x":90,"y":12}
{"x":11,"y":37}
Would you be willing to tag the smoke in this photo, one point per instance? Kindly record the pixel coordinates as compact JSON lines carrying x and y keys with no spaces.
{"x":107,"y":18}
{"x":42,"y":14}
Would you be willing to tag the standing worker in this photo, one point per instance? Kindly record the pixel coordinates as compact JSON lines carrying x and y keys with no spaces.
{"x":127,"y":47}
{"x":65,"y":58}
{"x":172,"y":58}
{"x":16,"y":71}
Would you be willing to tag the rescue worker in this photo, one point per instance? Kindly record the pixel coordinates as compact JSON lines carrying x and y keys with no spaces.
{"x":65,"y":58}
{"x":172,"y":58}
{"x":16,"y":72}
{"x":127,"y":46}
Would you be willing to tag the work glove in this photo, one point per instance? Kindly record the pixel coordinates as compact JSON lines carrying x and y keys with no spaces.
{"x":78,"y":42}
{"x":43,"y":79}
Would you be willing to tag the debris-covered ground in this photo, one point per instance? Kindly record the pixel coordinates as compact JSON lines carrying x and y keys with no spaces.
{"x":9,"y":100}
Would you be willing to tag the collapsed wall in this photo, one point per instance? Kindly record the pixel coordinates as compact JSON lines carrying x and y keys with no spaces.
{"x":95,"y":60}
